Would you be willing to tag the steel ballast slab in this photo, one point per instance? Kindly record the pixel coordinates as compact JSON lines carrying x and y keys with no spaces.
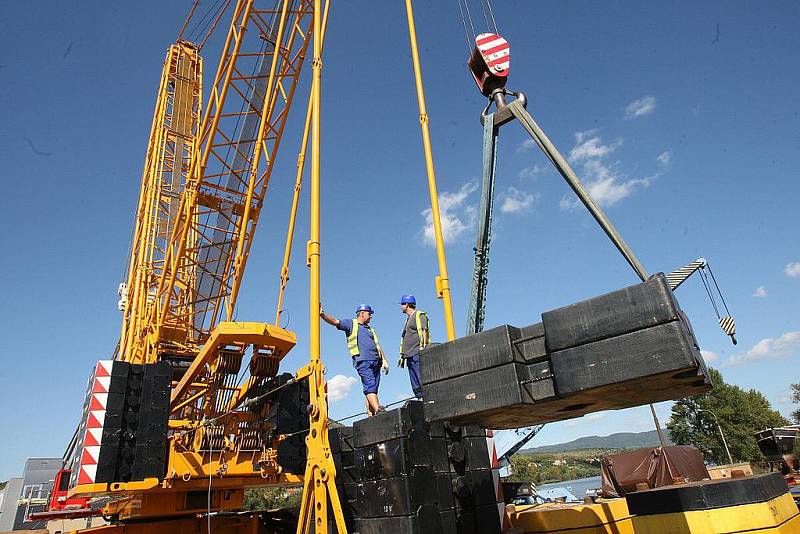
{"x":389,"y":425}
{"x":658,"y":349}
{"x":425,"y":520}
{"x":619,"y":312}
{"x":485,"y":390}
{"x":624,"y":349}
{"x":396,"y":457}
{"x":492,"y":348}
{"x":397,"y":496}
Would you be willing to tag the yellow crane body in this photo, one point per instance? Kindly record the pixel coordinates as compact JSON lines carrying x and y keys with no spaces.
{"x":206,"y":174}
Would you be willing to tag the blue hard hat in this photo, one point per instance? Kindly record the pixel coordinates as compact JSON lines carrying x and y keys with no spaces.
{"x":408,"y":299}
{"x":364,"y":307}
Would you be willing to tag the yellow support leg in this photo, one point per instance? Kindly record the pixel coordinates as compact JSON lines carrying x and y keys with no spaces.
{"x":442,"y":280}
{"x":320,"y":474}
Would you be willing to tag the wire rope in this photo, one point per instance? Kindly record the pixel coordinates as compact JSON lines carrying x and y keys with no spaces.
{"x":491,"y":15}
{"x":485,"y":15}
{"x":469,"y":18}
{"x":703,"y":276}
{"x":719,"y":292}
{"x":464,"y":23}
{"x":194,"y":33}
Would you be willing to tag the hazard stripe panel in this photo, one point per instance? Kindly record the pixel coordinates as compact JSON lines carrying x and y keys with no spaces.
{"x":496,"y":52}
{"x":91,"y":430}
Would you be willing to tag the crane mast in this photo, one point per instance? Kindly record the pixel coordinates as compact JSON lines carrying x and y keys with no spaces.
{"x":230,"y":169}
{"x":172,"y":137}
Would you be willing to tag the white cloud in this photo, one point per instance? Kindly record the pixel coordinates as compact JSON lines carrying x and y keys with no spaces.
{"x":761,"y":292}
{"x":588,"y":145}
{"x":709,"y":356}
{"x":640,"y":106}
{"x":786,"y":345}
{"x":531,"y":172}
{"x":665,"y":157}
{"x":516,"y":201}
{"x":339,"y":387}
{"x":588,"y":418}
{"x":456,"y":215}
{"x":526,"y":145}
{"x":793,"y":269}
{"x":606,"y":185}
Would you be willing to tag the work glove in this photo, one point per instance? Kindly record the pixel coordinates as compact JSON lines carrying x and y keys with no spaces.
{"x":385,"y":366}
{"x":401,"y":362}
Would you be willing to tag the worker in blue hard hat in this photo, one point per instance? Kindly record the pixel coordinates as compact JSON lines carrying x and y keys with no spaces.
{"x":415,"y":337}
{"x":368,"y":357}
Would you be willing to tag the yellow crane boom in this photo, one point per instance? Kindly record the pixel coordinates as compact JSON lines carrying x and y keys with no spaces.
{"x":203,"y":189}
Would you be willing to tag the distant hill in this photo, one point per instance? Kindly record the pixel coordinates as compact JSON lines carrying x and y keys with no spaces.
{"x":620,"y":440}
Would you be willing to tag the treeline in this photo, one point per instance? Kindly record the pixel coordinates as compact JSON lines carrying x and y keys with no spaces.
{"x":541,"y":468}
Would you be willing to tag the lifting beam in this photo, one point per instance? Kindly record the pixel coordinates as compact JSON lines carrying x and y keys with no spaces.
{"x":507,"y":112}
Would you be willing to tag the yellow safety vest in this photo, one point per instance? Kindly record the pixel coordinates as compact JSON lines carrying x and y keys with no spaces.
{"x":352,"y":339}
{"x":424,"y":335}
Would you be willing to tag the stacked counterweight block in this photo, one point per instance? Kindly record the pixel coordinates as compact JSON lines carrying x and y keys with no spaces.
{"x":626,"y":348}
{"x":396,"y":473}
{"x":124,"y":426}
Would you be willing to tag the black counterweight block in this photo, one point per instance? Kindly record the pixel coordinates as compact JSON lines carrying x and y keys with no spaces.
{"x":469,"y":354}
{"x":389,"y":425}
{"x":289,"y":409}
{"x":115,"y":403}
{"x":491,"y":389}
{"x":491,"y":348}
{"x":474,"y":488}
{"x":478,"y":520}
{"x":438,"y":455}
{"x":627,"y":348}
{"x":425,"y":521}
{"x":650,"y":365}
{"x":633,"y":308}
{"x":292,"y":454}
{"x":391,"y":497}
{"x":465,"y":454}
{"x":444,"y":491}
{"x":664,"y":348}
{"x":340,"y":439}
{"x":120,"y":376}
{"x":396,"y":457}
{"x":477,"y":450}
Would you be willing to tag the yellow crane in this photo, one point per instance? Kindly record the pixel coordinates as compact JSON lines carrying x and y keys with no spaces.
{"x":206,"y":174}
{"x":204,"y":183}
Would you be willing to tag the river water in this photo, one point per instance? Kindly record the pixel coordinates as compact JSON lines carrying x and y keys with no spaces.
{"x":577,"y":487}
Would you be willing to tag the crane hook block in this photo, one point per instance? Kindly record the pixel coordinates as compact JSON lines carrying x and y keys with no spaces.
{"x":490,"y":62}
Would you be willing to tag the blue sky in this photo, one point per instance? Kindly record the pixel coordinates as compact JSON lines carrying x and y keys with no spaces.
{"x":681,"y":117}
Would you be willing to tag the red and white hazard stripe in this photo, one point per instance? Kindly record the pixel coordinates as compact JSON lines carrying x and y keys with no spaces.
{"x":94,"y":418}
{"x":496,"y":52}
{"x":498,"y":487}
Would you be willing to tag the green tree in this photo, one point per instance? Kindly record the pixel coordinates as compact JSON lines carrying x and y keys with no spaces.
{"x":740,"y":413}
{"x":270,"y":498}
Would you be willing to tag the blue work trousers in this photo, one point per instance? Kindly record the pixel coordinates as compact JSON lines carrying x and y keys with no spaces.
{"x":370,"y":373}
{"x":412,"y":362}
